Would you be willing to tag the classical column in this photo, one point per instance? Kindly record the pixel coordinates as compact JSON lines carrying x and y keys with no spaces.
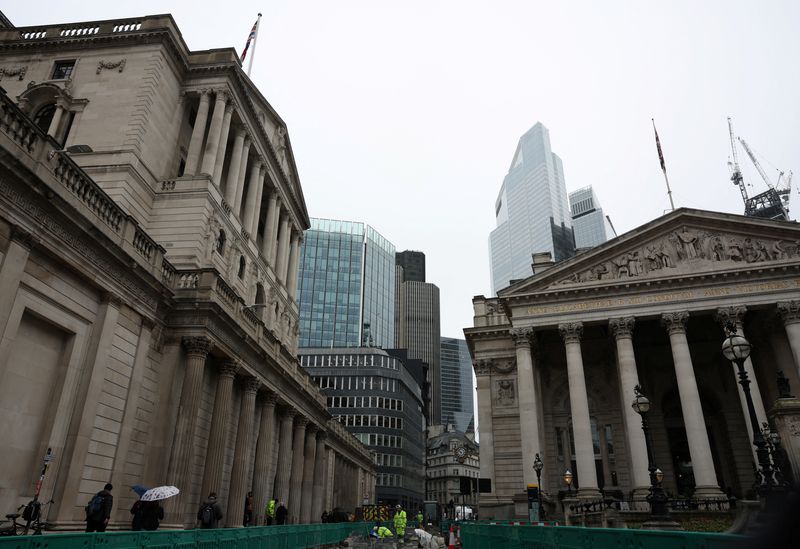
{"x":197,"y":349}
{"x":284,"y":456}
{"x":268,"y":234}
{"x":294,"y":260}
{"x":483,"y":369}
{"x":735,"y":315}
{"x":56,"y":121}
{"x":296,"y":482}
{"x":258,"y":203}
{"x":215,"y":457}
{"x":11,"y":269}
{"x":790,"y":314}
{"x":214,"y":132}
{"x":242,"y":454}
{"x":263,"y":470}
{"x":237,"y":203}
{"x":198,"y":133}
{"x":253,"y":197}
{"x":234,"y":167}
{"x":320,"y":460}
{"x":223,"y":145}
{"x":622,"y":328}
{"x":273,"y":236}
{"x":283,"y":247}
{"x":528,"y":410}
{"x":571,"y":333}
{"x":308,"y":476}
{"x":693,"y":418}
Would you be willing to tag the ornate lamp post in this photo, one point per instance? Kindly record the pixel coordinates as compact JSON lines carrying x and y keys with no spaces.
{"x":657,"y":497}
{"x":736,"y":349}
{"x":538,"y":465}
{"x":568,"y":481}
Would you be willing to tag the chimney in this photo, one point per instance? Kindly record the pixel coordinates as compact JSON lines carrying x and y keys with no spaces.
{"x":541,"y":262}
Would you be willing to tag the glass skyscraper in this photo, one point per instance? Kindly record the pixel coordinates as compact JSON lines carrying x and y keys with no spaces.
{"x":531,"y":211}
{"x":346,"y":286}
{"x":590,"y":226}
{"x":456,"y":371}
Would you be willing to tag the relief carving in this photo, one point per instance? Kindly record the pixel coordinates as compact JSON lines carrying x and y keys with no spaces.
{"x":108,"y":65}
{"x":482,"y":367}
{"x":505,"y":393}
{"x":19,"y":71}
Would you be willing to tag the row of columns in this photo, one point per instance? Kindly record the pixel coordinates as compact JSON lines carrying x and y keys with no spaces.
{"x":532,"y":441}
{"x":298,"y":470}
{"x":280,"y":237}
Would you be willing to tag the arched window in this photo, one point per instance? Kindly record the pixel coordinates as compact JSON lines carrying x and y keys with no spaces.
{"x":242,"y":266}
{"x":221,"y":242}
{"x":44,"y":116}
{"x":260,"y":296}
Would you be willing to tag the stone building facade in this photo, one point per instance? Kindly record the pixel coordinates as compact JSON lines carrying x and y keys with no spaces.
{"x":451,"y":455}
{"x":147,"y":287}
{"x":557,"y":356}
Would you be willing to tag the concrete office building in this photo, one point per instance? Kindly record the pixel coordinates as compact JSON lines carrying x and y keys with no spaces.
{"x":589,"y":224}
{"x":531,"y":211}
{"x":377,"y":396}
{"x":413,"y":264}
{"x":456,"y":368}
{"x":126,"y":270}
{"x":346,"y":285}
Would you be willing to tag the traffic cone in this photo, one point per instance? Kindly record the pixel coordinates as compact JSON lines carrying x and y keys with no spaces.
{"x":452,"y":543}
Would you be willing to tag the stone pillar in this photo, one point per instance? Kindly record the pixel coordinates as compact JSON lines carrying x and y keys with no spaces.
{"x":273,"y":251}
{"x":735,"y":315}
{"x":790,"y":314}
{"x":52,"y":130}
{"x":528,"y":409}
{"x":253,"y":201}
{"x":320,"y":462}
{"x":223,"y":145}
{"x":237,"y":203}
{"x":242,"y":455}
{"x":268,"y":235}
{"x":308,"y":476}
{"x":263,"y":472}
{"x":483,"y":370}
{"x":180,"y":465}
{"x":284,"y":457}
{"x":214,"y":132}
{"x":14,"y":261}
{"x":693,"y":418}
{"x":198,"y":133}
{"x":785,"y":416}
{"x":283,"y":247}
{"x":296,"y":482}
{"x":622,"y":328}
{"x":235,"y":165}
{"x":571,"y":333}
{"x":215,"y":457}
{"x":294,"y":259}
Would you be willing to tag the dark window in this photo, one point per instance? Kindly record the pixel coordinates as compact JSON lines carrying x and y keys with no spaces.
{"x":63,"y":70}
{"x":44,"y":116}
{"x":182,"y":167}
{"x":242,"y":265}
{"x":221,"y":243}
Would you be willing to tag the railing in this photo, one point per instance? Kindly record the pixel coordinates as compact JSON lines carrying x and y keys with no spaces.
{"x":80,"y":31}
{"x":490,"y":536}
{"x":286,"y":537}
{"x":88,"y":192}
{"x":143,"y":244}
{"x":15,"y":125}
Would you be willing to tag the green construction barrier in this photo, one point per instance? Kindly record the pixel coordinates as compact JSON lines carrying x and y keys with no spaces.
{"x":301,"y":536}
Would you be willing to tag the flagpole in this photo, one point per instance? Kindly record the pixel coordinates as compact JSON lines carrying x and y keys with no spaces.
{"x":255,"y":40}
{"x":663,"y":166}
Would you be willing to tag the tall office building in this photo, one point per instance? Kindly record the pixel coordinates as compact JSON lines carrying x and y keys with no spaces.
{"x":346,"y":286}
{"x":417,"y":324}
{"x":531,"y":210}
{"x":590,"y":225}
{"x":413,"y":264}
{"x":456,"y":367}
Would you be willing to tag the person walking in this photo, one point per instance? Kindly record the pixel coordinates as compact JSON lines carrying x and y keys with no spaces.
{"x":98,"y":510}
{"x":420,"y":519}
{"x":281,"y":513}
{"x":400,"y":522}
{"x":147,"y":515}
{"x":210,"y":512}
{"x":249,"y":504}
{"x":269,"y":512}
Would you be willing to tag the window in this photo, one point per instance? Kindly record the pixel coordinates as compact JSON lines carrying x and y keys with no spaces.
{"x":63,"y":70}
{"x":242,"y":266}
{"x":44,"y":116}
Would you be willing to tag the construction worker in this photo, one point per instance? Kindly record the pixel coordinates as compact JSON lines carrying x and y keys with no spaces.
{"x":379,"y":531}
{"x":420,"y":519}
{"x":400,"y":522}
{"x":269,"y":512}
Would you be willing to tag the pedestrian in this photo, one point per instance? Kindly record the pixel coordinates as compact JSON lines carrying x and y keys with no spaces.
{"x":400,"y":522}
{"x":269,"y":512}
{"x":420,"y":518}
{"x":425,"y":539}
{"x":249,"y":503}
{"x":324,"y":517}
{"x":210,"y":512}
{"x":147,"y":515}
{"x":98,"y":510}
{"x":281,"y":513}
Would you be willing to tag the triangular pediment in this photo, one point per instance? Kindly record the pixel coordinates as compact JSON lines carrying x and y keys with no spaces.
{"x":681,"y":243}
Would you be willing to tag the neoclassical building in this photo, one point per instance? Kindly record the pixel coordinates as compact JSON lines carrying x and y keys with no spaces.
{"x":148,"y":314}
{"x":557,"y":356}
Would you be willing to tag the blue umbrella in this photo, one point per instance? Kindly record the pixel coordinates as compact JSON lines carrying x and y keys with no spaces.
{"x":139,"y":489}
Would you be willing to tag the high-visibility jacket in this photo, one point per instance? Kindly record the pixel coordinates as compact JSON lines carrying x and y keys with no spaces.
{"x":400,"y":522}
{"x":270,"y":509}
{"x":420,"y":518}
{"x":382,"y":532}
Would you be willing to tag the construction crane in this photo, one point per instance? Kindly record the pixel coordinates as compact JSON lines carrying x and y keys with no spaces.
{"x":736,"y":172}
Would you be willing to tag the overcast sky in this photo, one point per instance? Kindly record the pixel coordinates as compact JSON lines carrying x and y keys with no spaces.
{"x":405,"y":115}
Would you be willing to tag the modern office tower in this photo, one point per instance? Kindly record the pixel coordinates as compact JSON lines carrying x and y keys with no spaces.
{"x":456,"y":375}
{"x":589,"y":224}
{"x":377,"y":396}
{"x":531,"y":210}
{"x":346,"y":286}
{"x":417,"y":327}
{"x":413,"y":264}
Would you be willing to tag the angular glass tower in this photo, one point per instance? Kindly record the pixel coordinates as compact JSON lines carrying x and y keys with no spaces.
{"x":456,"y":367}
{"x":590,"y":225}
{"x":531,"y":211}
{"x":346,"y":286}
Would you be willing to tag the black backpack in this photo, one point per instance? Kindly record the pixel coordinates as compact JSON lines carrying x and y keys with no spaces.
{"x":31,"y":512}
{"x":95,"y":508}
{"x":207,"y":515}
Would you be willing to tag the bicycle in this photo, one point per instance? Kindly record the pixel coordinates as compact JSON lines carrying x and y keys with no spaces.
{"x":32,"y":514}
{"x":14,"y":529}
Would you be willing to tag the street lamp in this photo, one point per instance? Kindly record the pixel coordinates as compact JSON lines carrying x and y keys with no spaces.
{"x":568,"y":481}
{"x":538,"y":465}
{"x":657,"y":496}
{"x":736,"y":349}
